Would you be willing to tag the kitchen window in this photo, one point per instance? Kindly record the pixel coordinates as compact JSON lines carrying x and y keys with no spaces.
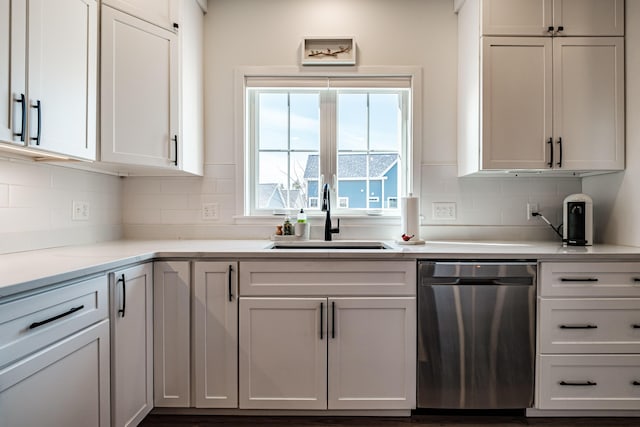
{"x":353,"y":133}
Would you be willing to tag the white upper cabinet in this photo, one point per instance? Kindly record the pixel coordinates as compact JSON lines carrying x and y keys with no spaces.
{"x":163,"y":13}
{"x":552,"y":17}
{"x":13,"y":49}
{"x":588,"y":106}
{"x":549,"y":102}
{"x":58,"y":41}
{"x":152,"y":88}
{"x":139,"y":91}
{"x":517,"y":103}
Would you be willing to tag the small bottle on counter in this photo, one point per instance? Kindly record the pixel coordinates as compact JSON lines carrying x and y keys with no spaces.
{"x":302,"y":216}
{"x":278,"y":230}
{"x":287,"y":227}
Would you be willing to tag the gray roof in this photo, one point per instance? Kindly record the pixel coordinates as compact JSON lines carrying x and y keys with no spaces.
{"x":273,"y":196}
{"x":354,"y":165}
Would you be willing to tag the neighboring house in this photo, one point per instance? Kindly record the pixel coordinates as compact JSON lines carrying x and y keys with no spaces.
{"x":357,"y":188}
{"x":274,"y":196}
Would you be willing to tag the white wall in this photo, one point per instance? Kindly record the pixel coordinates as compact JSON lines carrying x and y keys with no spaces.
{"x":387,"y":32}
{"x":36,"y":204}
{"x":617,"y":196}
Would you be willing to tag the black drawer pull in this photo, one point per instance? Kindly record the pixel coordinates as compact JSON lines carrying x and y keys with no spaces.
{"x":578,"y":383}
{"x":59,"y":316}
{"x":579,"y":279}
{"x":636,"y":279}
{"x":230,"y":283}
{"x":321,"y":320}
{"x":578,"y":326}
{"x":635,"y":326}
{"x":124,"y":295}
{"x":636,"y":382}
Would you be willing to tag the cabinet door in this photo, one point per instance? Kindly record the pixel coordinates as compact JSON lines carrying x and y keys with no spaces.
{"x":139,"y":91}
{"x":131,"y":344}
{"x":589,"y":17}
{"x":171,"y":332}
{"x":13,"y":48}
{"x":283,"y":353}
{"x":159,"y":12}
{"x":63,"y":76}
{"x":516,"y":102}
{"x":588,"y":80}
{"x":372,"y":353}
{"x":63,"y":385}
{"x":516,"y":17}
{"x":215,"y":334}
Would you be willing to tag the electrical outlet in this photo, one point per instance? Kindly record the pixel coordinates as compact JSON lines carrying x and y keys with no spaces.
{"x":443,"y":210}
{"x":531,"y":208}
{"x":209,"y":211}
{"x":80,"y":211}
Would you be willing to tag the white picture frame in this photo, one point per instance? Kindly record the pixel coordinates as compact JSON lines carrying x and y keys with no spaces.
{"x":328,"y":51}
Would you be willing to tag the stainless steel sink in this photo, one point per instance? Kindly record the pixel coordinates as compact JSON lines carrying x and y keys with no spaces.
{"x":334,"y":244}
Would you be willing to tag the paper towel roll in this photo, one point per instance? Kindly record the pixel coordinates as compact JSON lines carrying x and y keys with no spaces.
{"x":410,"y":216}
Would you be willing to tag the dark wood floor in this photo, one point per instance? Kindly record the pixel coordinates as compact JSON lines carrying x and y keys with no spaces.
{"x":415,"y":420}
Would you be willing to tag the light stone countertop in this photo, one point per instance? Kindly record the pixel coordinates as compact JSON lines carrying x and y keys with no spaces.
{"x":26,"y":271}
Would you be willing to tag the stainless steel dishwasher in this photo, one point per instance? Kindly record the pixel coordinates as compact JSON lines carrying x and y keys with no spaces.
{"x":476,"y":334}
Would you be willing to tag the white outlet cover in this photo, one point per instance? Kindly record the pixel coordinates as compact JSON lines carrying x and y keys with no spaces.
{"x":443,"y":210}
{"x":80,"y":211}
{"x":209,"y":211}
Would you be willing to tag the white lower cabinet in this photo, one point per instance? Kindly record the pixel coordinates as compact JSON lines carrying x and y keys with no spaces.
{"x":63,"y":385}
{"x":372,"y":353}
{"x":283,"y":353}
{"x":590,"y":382}
{"x":172,"y":333}
{"x":589,"y":336}
{"x":215,"y":334}
{"x":131,"y":344}
{"x":65,"y":381}
{"x":327,"y":353}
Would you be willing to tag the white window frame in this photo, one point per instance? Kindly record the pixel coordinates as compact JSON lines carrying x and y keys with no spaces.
{"x":289,"y":76}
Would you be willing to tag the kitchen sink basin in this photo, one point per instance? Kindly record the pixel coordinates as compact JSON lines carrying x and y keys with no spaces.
{"x":337,"y":244}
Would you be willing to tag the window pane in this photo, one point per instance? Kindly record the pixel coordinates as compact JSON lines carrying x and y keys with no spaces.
{"x":368,"y":180}
{"x":305,"y":121}
{"x":352,"y":121}
{"x":304,"y":179}
{"x":272,"y":180}
{"x":384,"y":119}
{"x":273,"y":121}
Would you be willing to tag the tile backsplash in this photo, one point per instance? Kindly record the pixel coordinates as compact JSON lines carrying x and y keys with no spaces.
{"x":36,"y":205}
{"x":486,"y":207}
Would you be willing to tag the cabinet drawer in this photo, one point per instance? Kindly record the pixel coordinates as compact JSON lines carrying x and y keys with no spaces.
{"x":370,"y":278}
{"x":33,"y":322}
{"x":606,"y":279}
{"x":589,"y":382}
{"x":590,"y":325}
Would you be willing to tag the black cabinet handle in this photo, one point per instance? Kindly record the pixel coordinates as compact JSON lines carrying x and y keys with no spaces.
{"x":59,"y":316}
{"x":230,"y":285}
{"x":550,"y":142}
{"x":579,"y":279}
{"x":560,"y":144}
{"x":560,"y":28}
{"x":321,"y":320}
{"x":550,"y":29}
{"x":635,"y":326}
{"x":578,"y":383}
{"x":175,"y":142}
{"x":636,"y":279}
{"x":333,"y":319}
{"x":636,"y":382}
{"x":38,"y":107}
{"x":124,"y":296}
{"x":578,"y":326}
{"x":23,"y":105}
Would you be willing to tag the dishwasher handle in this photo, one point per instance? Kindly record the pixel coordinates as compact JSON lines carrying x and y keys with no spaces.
{"x":470,"y":281}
